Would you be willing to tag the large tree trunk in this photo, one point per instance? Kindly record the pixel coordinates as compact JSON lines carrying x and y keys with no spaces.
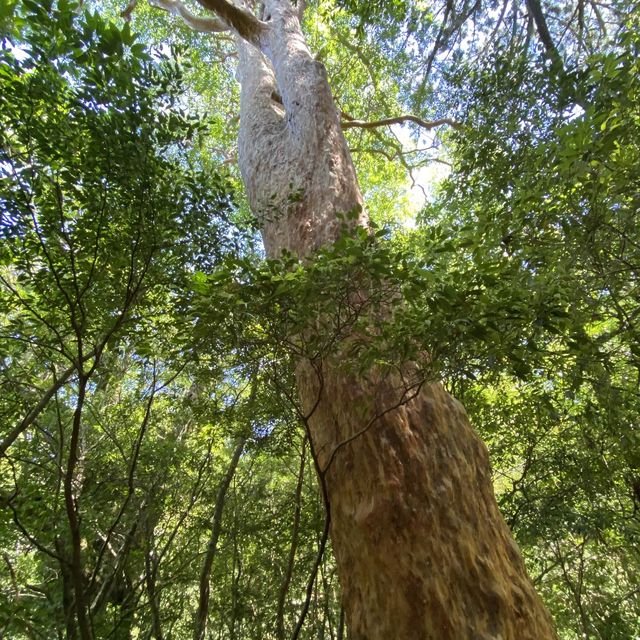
{"x":421,"y":548}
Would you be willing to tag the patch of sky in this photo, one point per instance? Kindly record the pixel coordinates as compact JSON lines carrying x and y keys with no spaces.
{"x":427,"y":173}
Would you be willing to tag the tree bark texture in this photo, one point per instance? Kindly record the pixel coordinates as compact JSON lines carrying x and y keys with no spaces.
{"x":295,"y":164}
{"x":421,"y":549}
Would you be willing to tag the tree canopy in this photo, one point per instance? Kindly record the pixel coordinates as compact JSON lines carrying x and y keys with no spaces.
{"x":156,"y":475}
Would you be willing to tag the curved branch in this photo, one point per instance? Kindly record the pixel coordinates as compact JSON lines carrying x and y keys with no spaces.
{"x":348,"y":122}
{"x":243,"y":22}
{"x":197,"y":23}
{"x":404,"y":399}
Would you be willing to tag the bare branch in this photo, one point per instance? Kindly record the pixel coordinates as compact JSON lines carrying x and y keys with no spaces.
{"x":96,"y":352}
{"x":73,"y":516}
{"x":243,"y":22}
{"x":197,"y":23}
{"x":409,"y":393}
{"x":348,"y":122}
{"x":201,"y":615}
{"x":312,"y":577}
{"x":286,"y":581}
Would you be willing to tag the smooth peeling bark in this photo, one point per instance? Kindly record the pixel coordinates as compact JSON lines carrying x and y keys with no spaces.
{"x":421,"y":548}
{"x":295,"y":164}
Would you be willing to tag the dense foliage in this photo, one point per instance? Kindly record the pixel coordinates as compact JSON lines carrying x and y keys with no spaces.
{"x":156,"y":479}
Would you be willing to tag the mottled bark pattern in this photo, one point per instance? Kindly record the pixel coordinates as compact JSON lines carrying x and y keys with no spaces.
{"x":421,"y":548}
{"x":295,"y":165}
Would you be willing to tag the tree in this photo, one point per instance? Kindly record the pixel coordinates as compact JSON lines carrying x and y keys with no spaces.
{"x":194,"y":510}
{"x":420,"y":545}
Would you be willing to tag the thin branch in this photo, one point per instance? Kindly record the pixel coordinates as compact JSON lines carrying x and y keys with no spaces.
{"x":119,"y":557}
{"x":327,"y":507}
{"x":37,"y":410}
{"x":312,"y":577}
{"x":73,"y":516}
{"x":348,"y":122}
{"x":440,"y":41}
{"x":404,"y":399}
{"x":130,"y":476}
{"x":601,"y":23}
{"x":28,"y":536}
{"x":286,"y":581}
{"x":364,"y":59}
{"x":96,"y":352}
{"x":201,"y":615}
{"x":151,"y":574}
{"x":543,"y":31}
{"x":491,"y":39}
{"x":379,"y":152}
{"x":25,"y":304}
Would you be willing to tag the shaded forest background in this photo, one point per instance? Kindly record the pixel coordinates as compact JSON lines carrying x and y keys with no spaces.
{"x":155,"y":470}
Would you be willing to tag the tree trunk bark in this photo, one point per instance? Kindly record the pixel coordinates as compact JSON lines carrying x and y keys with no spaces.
{"x":421,"y":549}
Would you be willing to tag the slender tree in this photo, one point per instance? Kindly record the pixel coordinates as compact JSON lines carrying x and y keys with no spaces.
{"x":421,"y":548}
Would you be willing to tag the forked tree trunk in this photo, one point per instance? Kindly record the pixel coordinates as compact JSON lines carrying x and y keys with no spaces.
{"x":421,"y":549}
